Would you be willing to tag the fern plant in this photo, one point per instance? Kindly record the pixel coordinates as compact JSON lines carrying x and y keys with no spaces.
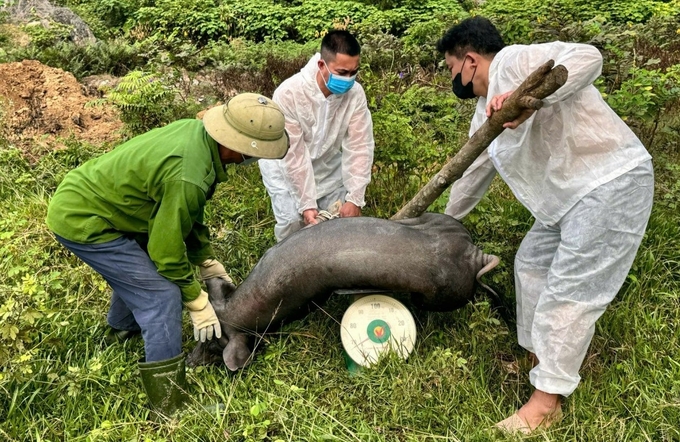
{"x":144,"y":101}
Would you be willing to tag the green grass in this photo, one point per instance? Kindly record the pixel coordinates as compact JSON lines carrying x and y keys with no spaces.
{"x":59,"y":380}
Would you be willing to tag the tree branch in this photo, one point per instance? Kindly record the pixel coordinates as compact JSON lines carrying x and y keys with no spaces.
{"x":541,"y":83}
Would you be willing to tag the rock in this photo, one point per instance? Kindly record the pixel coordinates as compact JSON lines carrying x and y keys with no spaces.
{"x":43,"y":12}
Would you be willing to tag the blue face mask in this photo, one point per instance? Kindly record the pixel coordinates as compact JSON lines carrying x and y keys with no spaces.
{"x":339,"y":85}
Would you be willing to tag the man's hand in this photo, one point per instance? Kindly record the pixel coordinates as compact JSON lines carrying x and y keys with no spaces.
{"x":212,"y":268}
{"x":206,"y":324}
{"x":349,"y":210}
{"x":309,"y":216}
{"x":496,"y":103}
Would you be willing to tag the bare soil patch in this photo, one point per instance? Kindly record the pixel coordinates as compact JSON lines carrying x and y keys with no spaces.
{"x":42,"y":106}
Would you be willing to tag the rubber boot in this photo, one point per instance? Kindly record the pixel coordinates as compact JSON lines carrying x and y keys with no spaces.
{"x":115,"y":336}
{"x":165,"y":384}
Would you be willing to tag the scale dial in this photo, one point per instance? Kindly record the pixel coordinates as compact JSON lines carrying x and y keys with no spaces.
{"x":375,"y":324}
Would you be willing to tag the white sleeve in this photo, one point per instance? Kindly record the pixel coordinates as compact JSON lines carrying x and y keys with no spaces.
{"x":297,"y":163}
{"x":471,"y":187}
{"x":516,"y":63}
{"x":583,"y":62}
{"x":357,"y":154}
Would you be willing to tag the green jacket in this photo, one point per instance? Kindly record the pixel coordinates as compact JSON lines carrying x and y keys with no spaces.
{"x":152,"y":188}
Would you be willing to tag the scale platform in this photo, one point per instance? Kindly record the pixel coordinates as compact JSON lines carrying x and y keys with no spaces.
{"x":373,"y":324}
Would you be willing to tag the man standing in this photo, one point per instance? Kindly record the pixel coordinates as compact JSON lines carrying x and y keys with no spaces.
{"x":585,"y":177}
{"x":135,"y":215}
{"x":331,"y":139}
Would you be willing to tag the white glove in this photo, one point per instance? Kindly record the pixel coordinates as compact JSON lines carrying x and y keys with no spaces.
{"x":212,"y":268}
{"x":204,"y":318}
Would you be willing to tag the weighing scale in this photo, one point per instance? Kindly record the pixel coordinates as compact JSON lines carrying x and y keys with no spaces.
{"x":373,"y":324}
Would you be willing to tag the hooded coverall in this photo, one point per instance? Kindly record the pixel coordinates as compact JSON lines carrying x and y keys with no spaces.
{"x":331,"y":150}
{"x":135,"y":216}
{"x":588,"y":182}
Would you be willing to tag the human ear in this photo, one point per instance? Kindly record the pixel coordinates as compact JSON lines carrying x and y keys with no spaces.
{"x":474,"y":59}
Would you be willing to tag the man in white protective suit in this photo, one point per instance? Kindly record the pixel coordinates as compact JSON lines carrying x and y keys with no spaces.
{"x":585,"y":177}
{"x":331,"y":139}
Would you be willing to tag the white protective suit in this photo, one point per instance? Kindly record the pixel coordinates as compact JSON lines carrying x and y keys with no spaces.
{"x":587,"y":180}
{"x":331,"y":150}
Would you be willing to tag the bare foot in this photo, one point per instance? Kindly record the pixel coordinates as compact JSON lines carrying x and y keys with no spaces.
{"x":541,"y":410}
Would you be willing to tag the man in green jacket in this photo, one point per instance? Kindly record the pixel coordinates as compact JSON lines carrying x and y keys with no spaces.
{"x":135,"y":215}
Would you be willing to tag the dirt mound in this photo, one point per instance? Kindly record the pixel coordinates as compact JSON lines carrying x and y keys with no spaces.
{"x":43,"y":105}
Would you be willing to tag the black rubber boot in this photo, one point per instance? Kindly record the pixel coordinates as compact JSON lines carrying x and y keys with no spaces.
{"x":115,"y":336}
{"x":165,"y":384}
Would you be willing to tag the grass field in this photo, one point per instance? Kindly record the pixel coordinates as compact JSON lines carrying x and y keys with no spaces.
{"x":63,"y":382}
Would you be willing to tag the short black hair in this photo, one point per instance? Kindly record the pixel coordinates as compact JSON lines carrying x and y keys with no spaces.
{"x":339,"y":41}
{"x":476,"y":34}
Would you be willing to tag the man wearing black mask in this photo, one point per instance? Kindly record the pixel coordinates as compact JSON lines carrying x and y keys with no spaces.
{"x":583,"y":175}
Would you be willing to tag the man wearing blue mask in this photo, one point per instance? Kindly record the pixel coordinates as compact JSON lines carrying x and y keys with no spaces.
{"x":135,"y":215}
{"x":331,"y":139}
{"x":584,"y":176}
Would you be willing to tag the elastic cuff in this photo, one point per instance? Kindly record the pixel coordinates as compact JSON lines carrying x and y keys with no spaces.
{"x":359,"y":202}
{"x":553,"y":384}
{"x":302,"y":210}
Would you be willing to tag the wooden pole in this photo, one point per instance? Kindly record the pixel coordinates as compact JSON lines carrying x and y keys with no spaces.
{"x":542,"y":82}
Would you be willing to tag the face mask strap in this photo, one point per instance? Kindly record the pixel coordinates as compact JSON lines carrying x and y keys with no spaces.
{"x":461,"y":72}
{"x":330,"y":74}
{"x":462,"y":66}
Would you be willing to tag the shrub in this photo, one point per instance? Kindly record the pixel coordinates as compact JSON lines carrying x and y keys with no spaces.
{"x":243,"y":66}
{"x":174,"y":21}
{"x":643,"y":98}
{"x":144,"y":100}
{"x":44,"y":37}
{"x":416,"y":129}
{"x":115,"y":57}
{"x":522,"y":21}
{"x":106,"y":18}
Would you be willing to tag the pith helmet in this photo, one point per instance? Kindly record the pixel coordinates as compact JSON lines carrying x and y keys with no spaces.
{"x":250,"y":124}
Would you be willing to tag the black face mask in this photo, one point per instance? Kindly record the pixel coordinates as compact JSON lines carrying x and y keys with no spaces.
{"x":463,"y":92}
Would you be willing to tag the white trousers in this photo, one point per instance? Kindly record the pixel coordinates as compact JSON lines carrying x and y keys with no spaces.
{"x":285,"y":207}
{"x":567,"y":274}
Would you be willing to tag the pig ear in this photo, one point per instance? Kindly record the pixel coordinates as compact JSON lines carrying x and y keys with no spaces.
{"x":219,"y":290}
{"x":227,"y":289}
{"x":236,"y":354}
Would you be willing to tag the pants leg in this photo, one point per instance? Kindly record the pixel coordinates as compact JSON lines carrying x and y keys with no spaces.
{"x":532,"y":264}
{"x":599,"y":238}
{"x":288,"y":220}
{"x":155,"y":302}
{"x":284,"y":205}
{"x":120,"y":316}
